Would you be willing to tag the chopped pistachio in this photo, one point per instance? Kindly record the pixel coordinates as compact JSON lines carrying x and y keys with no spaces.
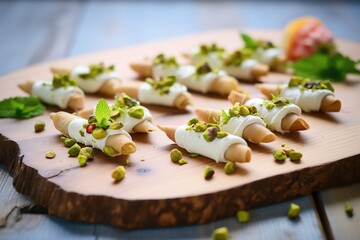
{"x":295,"y":81}
{"x":136,"y":112}
{"x":283,"y":145}
{"x":109,"y":151}
{"x":98,"y":133}
{"x":182,"y":161}
{"x":95,"y":70}
{"x":192,"y":121}
{"x":243,"y":216}
{"x":294,"y":210}
{"x":62,"y":138}
{"x":269,"y":105}
{"x":74,"y":150}
{"x":349,"y":209}
{"x":203,"y":69}
{"x":288,"y":150}
{"x":192,"y":155}
{"x":229,"y":168}
{"x":115,"y":114}
{"x":82,"y":133}
{"x":208,"y":172}
{"x":220,"y":234}
{"x":210,"y":134}
{"x":252,"y":109}
{"x":88,"y":152}
{"x":200,"y":127}
{"x":82,"y":160}
{"x":39,"y":126}
{"x":50,"y":154}
{"x":279,"y":155}
{"x":244,"y":111}
{"x":221,"y":134}
{"x":295,"y":156}
{"x":69,"y":142}
{"x":116,"y":125}
{"x":62,"y":80}
{"x":92,"y":119}
{"x":119,"y":173}
{"x":175,"y":155}
{"x":127,"y":162}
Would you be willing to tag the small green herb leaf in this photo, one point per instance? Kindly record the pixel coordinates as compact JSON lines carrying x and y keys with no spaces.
{"x":102,"y":111}
{"x":249,"y":41}
{"x":21,"y":107}
{"x":323,"y":66}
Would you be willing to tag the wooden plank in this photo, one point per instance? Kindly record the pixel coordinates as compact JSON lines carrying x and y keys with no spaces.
{"x":269,"y":222}
{"x":334,"y":199}
{"x":47,"y":227}
{"x":154,"y":149}
{"x":35,"y":31}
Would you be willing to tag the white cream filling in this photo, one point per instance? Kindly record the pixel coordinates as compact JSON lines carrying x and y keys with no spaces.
{"x":194,"y":142}
{"x":58,"y":96}
{"x":268,"y":56}
{"x":148,"y":95}
{"x":213,"y":58}
{"x":236,"y":125}
{"x":161,"y":71}
{"x":274,"y":116}
{"x":130,"y":122}
{"x":76,"y":125}
{"x":243,"y":71}
{"x":92,"y":85}
{"x":308,"y":100}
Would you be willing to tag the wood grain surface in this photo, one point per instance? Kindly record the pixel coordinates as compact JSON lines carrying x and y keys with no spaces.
{"x":178,"y":195}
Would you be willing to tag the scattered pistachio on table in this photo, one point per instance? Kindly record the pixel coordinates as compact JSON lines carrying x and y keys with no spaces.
{"x":208,"y":172}
{"x":220,"y":234}
{"x":243,"y":216}
{"x":50,"y":154}
{"x":229,"y":168}
{"x":39,"y":126}
{"x":119,"y":173}
{"x":349,"y":209}
{"x":82,"y":160}
{"x":294,"y":210}
{"x":175,"y":155}
{"x":74,"y":150}
{"x":286,"y":152}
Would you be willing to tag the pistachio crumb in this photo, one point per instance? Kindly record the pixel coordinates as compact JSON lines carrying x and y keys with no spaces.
{"x":279,"y":155}
{"x":69,"y":142}
{"x":82,"y":160}
{"x":119,"y":173}
{"x":116,"y":125}
{"x":243,"y":216}
{"x":294,"y":210}
{"x":288,"y":150}
{"x":50,"y":154}
{"x":295,"y":156}
{"x":220,"y":234}
{"x":193,"y":155}
{"x":175,"y":155}
{"x":127,"y":162}
{"x":109,"y":151}
{"x":208,"y":172}
{"x":39,"y":126}
{"x":88,"y":152}
{"x":283,"y":145}
{"x":74,"y":150}
{"x":349,"y":209}
{"x":229,"y":168}
{"x":182,"y":161}
{"x":98,"y":133}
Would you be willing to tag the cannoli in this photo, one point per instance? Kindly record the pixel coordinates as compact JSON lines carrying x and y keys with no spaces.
{"x":309,"y":95}
{"x":278,"y":113}
{"x":62,"y":92}
{"x":303,"y":37}
{"x":239,"y":64}
{"x":135,"y":118}
{"x":240,"y":120}
{"x":202,"y":78}
{"x":112,"y":142}
{"x":95,"y":78}
{"x":209,"y":141}
{"x":164,"y":92}
{"x":265,"y":52}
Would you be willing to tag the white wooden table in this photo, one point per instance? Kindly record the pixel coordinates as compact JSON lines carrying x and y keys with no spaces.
{"x":36,"y":31}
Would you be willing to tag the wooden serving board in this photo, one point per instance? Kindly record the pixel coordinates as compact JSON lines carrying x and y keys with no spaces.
{"x":157,"y":192}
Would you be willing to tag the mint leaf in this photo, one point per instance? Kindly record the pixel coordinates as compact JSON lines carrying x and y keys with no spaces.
{"x":323,"y":66}
{"x":249,"y":41}
{"x":21,"y":107}
{"x":102,"y":113}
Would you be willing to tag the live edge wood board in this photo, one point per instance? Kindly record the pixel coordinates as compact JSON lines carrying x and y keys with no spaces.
{"x":157,"y":192}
